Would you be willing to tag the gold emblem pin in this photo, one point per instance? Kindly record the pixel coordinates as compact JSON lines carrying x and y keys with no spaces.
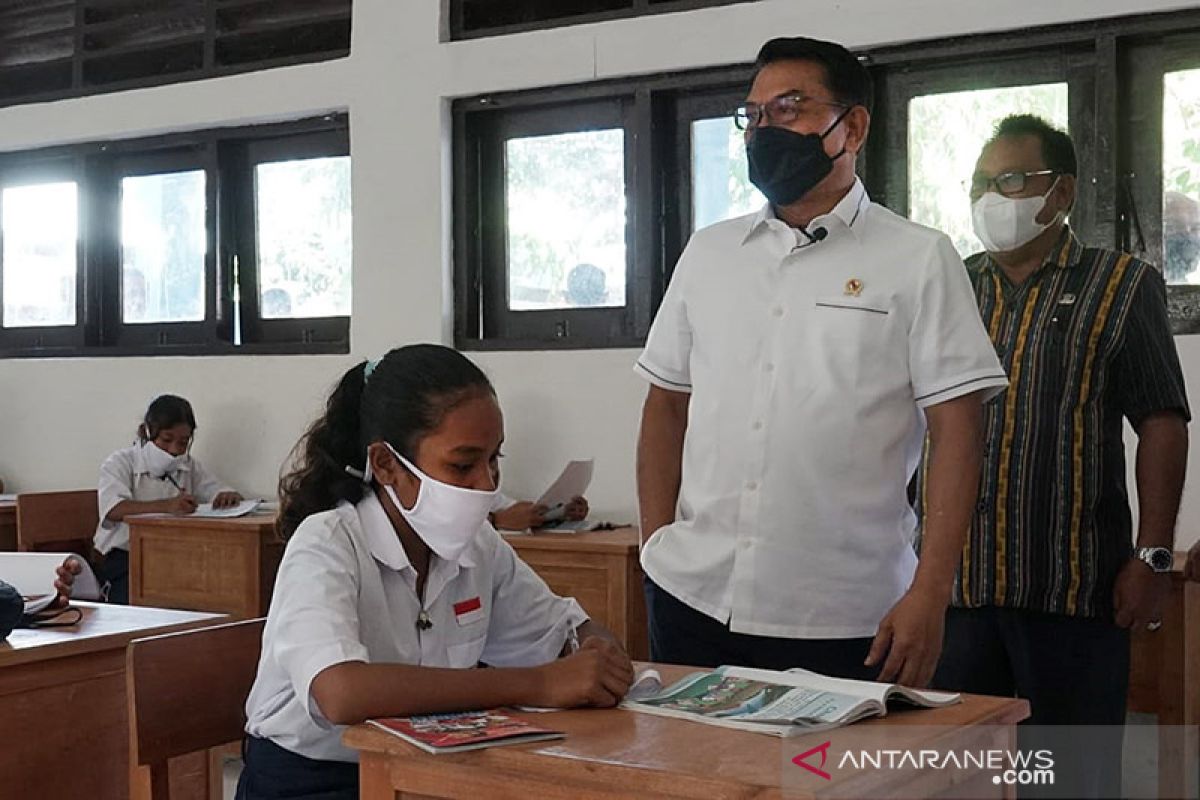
{"x":853,"y":288}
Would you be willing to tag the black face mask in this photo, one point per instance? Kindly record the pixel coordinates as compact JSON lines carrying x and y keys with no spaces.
{"x":1182,"y":252}
{"x":786,"y":165}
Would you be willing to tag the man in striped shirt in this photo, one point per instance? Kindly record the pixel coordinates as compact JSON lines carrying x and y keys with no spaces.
{"x":1051,"y":580}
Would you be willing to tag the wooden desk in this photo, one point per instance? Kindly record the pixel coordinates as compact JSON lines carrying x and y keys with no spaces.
{"x":619,"y":754}
{"x":1164,"y":678}
{"x":601,"y":570}
{"x":204,"y":564}
{"x":62,"y":702}
{"x":8,"y":526}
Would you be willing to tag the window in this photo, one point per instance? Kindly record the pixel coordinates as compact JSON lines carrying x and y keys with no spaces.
{"x":548,"y":237}
{"x":1180,"y":251}
{"x":40,"y":234}
{"x":945,"y":135}
{"x":65,"y":48}
{"x":565,"y":196}
{"x":474,"y":18}
{"x":212,"y":242}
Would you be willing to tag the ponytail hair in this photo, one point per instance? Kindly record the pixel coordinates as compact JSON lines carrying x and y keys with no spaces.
{"x":165,"y":411}
{"x":399,"y":400}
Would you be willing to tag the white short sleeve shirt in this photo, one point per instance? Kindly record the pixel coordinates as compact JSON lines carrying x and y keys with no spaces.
{"x":347,"y":592}
{"x":125,"y":475}
{"x":808,"y":364}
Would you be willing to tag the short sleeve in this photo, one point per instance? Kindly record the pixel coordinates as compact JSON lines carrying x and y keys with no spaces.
{"x":1147,"y":377}
{"x":115,"y":485}
{"x":313,"y":623}
{"x":949,"y":352}
{"x":665,"y":360}
{"x":529,"y":623}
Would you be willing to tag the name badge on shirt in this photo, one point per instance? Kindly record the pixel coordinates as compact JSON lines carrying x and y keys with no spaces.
{"x":468,"y":611}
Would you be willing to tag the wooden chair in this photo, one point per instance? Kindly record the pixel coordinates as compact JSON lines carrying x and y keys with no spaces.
{"x":187,"y":693}
{"x":58,"y":521}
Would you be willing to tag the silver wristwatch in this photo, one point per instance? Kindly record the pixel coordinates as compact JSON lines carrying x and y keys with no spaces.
{"x":1160,"y":559}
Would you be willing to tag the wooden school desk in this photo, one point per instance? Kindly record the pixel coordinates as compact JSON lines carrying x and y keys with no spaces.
{"x":1164,"y":678}
{"x":601,"y":570}
{"x":62,"y":704}
{"x":226,"y":565}
{"x":614,"y":753}
{"x":8,"y":524}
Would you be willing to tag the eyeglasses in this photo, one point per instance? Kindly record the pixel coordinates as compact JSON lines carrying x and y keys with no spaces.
{"x":1007,"y":184}
{"x":779,"y":110}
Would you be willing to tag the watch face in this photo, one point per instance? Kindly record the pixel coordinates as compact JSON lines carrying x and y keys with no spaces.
{"x":1160,"y":559}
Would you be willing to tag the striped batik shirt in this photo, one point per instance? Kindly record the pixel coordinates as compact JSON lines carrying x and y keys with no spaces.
{"x":1086,"y":342}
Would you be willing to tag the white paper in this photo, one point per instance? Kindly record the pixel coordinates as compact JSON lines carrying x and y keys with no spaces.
{"x":8,"y":498}
{"x":572,"y":483}
{"x":240,"y":510}
{"x":33,"y":574}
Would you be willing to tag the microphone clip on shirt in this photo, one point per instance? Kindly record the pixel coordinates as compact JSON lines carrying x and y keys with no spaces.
{"x":424,"y":623}
{"x":818,"y":235}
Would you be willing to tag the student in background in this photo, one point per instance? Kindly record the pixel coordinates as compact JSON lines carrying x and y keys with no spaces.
{"x":511,"y":515}
{"x":393,"y":587}
{"x":156,"y":475}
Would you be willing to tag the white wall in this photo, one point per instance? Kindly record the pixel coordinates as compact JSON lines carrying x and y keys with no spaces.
{"x":59,"y":418}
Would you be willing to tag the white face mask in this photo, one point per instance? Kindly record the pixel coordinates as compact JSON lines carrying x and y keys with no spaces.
{"x":446,"y":517}
{"x":159,"y":461}
{"x":1005,"y":223}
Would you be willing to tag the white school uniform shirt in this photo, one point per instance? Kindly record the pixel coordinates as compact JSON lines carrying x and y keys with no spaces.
{"x":808,"y":366}
{"x":347,"y":592}
{"x":125,"y":475}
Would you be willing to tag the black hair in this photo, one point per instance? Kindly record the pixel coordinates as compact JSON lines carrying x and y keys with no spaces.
{"x":166,"y":411}
{"x":847,"y":80}
{"x":405,"y":397}
{"x":1058,"y":151}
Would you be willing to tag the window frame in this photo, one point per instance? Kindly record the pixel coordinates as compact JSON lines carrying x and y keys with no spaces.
{"x":99,"y":166}
{"x":1149,"y":60}
{"x":56,"y":339}
{"x":249,"y":154}
{"x":456,"y":25}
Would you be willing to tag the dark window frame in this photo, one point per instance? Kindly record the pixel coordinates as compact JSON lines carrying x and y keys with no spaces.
{"x":459,"y":28}
{"x":55,"y":339}
{"x":99,"y":166}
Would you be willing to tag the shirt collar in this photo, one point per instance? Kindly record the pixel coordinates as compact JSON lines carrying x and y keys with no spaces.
{"x":848,"y":212}
{"x":383,"y":541}
{"x":1066,"y":253}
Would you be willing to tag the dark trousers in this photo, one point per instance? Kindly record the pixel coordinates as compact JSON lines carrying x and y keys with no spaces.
{"x":1073,"y":672}
{"x":115,"y":572}
{"x":679,"y":634}
{"x":272,"y":772}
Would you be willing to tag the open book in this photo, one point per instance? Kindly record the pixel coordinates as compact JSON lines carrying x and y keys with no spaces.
{"x":780,"y":703}
{"x":470,"y":730}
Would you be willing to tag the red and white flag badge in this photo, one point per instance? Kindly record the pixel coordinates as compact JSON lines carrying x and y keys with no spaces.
{"x":468,"y":611}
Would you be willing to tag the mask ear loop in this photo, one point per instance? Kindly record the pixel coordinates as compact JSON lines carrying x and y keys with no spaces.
{"x":833,"y":125}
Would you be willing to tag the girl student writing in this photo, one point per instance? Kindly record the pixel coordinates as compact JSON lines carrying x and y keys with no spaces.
{"x":393,"y":586}
{"x":155,"y":475}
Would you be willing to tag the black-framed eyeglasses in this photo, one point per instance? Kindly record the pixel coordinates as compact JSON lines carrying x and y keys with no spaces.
{"x":779,"y":110}
{"x":1007,"y":183}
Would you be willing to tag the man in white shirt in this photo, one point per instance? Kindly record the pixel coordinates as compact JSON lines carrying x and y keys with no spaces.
{"x":795,"y":362}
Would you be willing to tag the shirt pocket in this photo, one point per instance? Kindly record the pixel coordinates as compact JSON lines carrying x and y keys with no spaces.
{"x":465,"y":654}
{"x":854,"y":337}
